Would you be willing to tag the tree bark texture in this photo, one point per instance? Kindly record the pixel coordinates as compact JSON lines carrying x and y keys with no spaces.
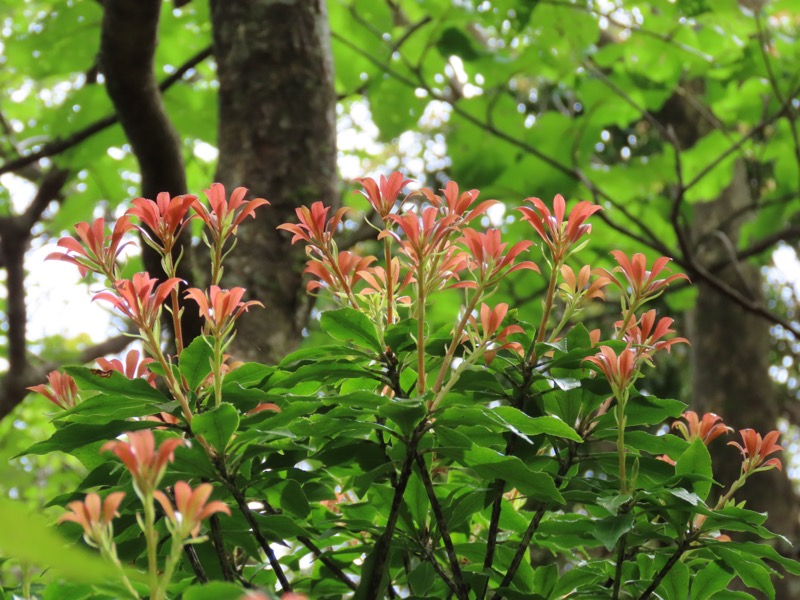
{"x":277,"y":137}
{"x":730,"y":363}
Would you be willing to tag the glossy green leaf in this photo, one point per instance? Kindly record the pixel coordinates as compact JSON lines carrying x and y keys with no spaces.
{"x":422,"y":578}
{"x":74,"y":436}
{"x":352,"y":326}
{"x":105,"y":407}
{"x":116,"y":384}
{"x":697,"y":461}
{"x":493,"y":465}
{"x":517,"y":420}
{"x":753,"y":573}
{"x":294,"y":499}
{"x":609,"y":530}
{"x":195,"y":361}
{"x":709,"y":580}
{"x":407,"y":414}
{"x":675,"y":585}
{"x":217,"y":425}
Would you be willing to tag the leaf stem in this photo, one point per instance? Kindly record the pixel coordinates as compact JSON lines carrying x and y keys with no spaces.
{"x":618,"y":569}
{"x":524,"y":543}
{"x":151,"y":539}
{"x":217,"y":368}
{"x":461,"y":591}
{"x":153,"y":347}
{"x":385,"y":541}
{"x":451,"y":349}
{"x":676,"y":556}
{"x":176,"y":549}
{"x":619,"y":413}
{"x":387,"y":253}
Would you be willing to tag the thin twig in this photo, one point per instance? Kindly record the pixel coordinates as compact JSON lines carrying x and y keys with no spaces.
{"x":461,"y":591}
{"x":61,"y":145}
{"x":618,"y":569}
{"x":249,"y":516}
{"x":524,"y":543}
{"x":757,"y":130}
{"x":431,"y":558}
{"x":219,"y":547}
{"x":664,"y":570}
{"x":194,"y":562}
{"x":385,"y":541}
{"x":773,"y":80}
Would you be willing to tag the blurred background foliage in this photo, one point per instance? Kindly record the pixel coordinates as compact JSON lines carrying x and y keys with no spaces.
{"x":678,"y":116}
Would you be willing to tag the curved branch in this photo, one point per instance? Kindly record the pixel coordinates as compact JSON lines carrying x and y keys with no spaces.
{"x":687,"y":261}
{"x":575,"y":174}
{"x":61,"y":145}
{"x":127,"y":50}
{"x":15,"y":233}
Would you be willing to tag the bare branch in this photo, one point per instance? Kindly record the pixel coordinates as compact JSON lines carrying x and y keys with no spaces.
{"x":61,"y":145}
{"x":15,"y":233}
{"x":652,"y":239}
{"x":755,"y":131}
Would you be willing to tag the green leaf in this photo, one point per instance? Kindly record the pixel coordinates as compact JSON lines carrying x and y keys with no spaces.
{"x":350,"y":325}
{"x":102,"y":408}
{"x":116,"y":384}
{"x":493,"y":465}
{"x":649,"y":410}
{"x":214,"y":590}
{"x":453,"y":41}
{"x":766,"y":551}
{"x":294,"y":500}
{"x":322,"y":371}
{"x":27,"y":537}
{"x":709,"y":580}
{"x":422,"y":578}
{"x":416,"y":500}
{"x":406,"y":414}
{"x":610,"y":529}
{"x":697,"y":461}
{"x":574,"y":579}
{"x":280,"y":527}
{"x":249,"y":374}
{"x":545,"y":579}
{"x":516,"y":419}
{"x":195,"y":361}
{"x":77,"y":435}
{"x":217,"y":425}
{"x":369,"y":569}
{"x":753,"y":573}
{"x":675,"y":585}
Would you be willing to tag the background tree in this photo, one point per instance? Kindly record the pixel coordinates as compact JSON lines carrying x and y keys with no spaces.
{"x":679,"y":118}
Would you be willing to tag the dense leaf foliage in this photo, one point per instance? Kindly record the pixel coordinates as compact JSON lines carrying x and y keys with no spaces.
{"x":491,"y":457}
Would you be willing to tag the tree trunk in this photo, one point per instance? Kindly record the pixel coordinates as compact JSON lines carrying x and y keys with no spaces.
{"x":730,"y":362}
{"x":277,"y":136}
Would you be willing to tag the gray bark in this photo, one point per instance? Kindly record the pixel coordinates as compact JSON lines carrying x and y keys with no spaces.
{"x":277,"y":137}
{"x":730,"y":363}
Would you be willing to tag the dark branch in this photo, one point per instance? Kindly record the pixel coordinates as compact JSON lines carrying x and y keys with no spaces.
{"x":58,"y":146}
{"x":15,"y":233}
{"x":127,"y":49}
{"x":462,"y":591}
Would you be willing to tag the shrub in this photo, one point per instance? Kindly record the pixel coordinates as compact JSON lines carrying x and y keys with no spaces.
{"x":489,"y":457}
